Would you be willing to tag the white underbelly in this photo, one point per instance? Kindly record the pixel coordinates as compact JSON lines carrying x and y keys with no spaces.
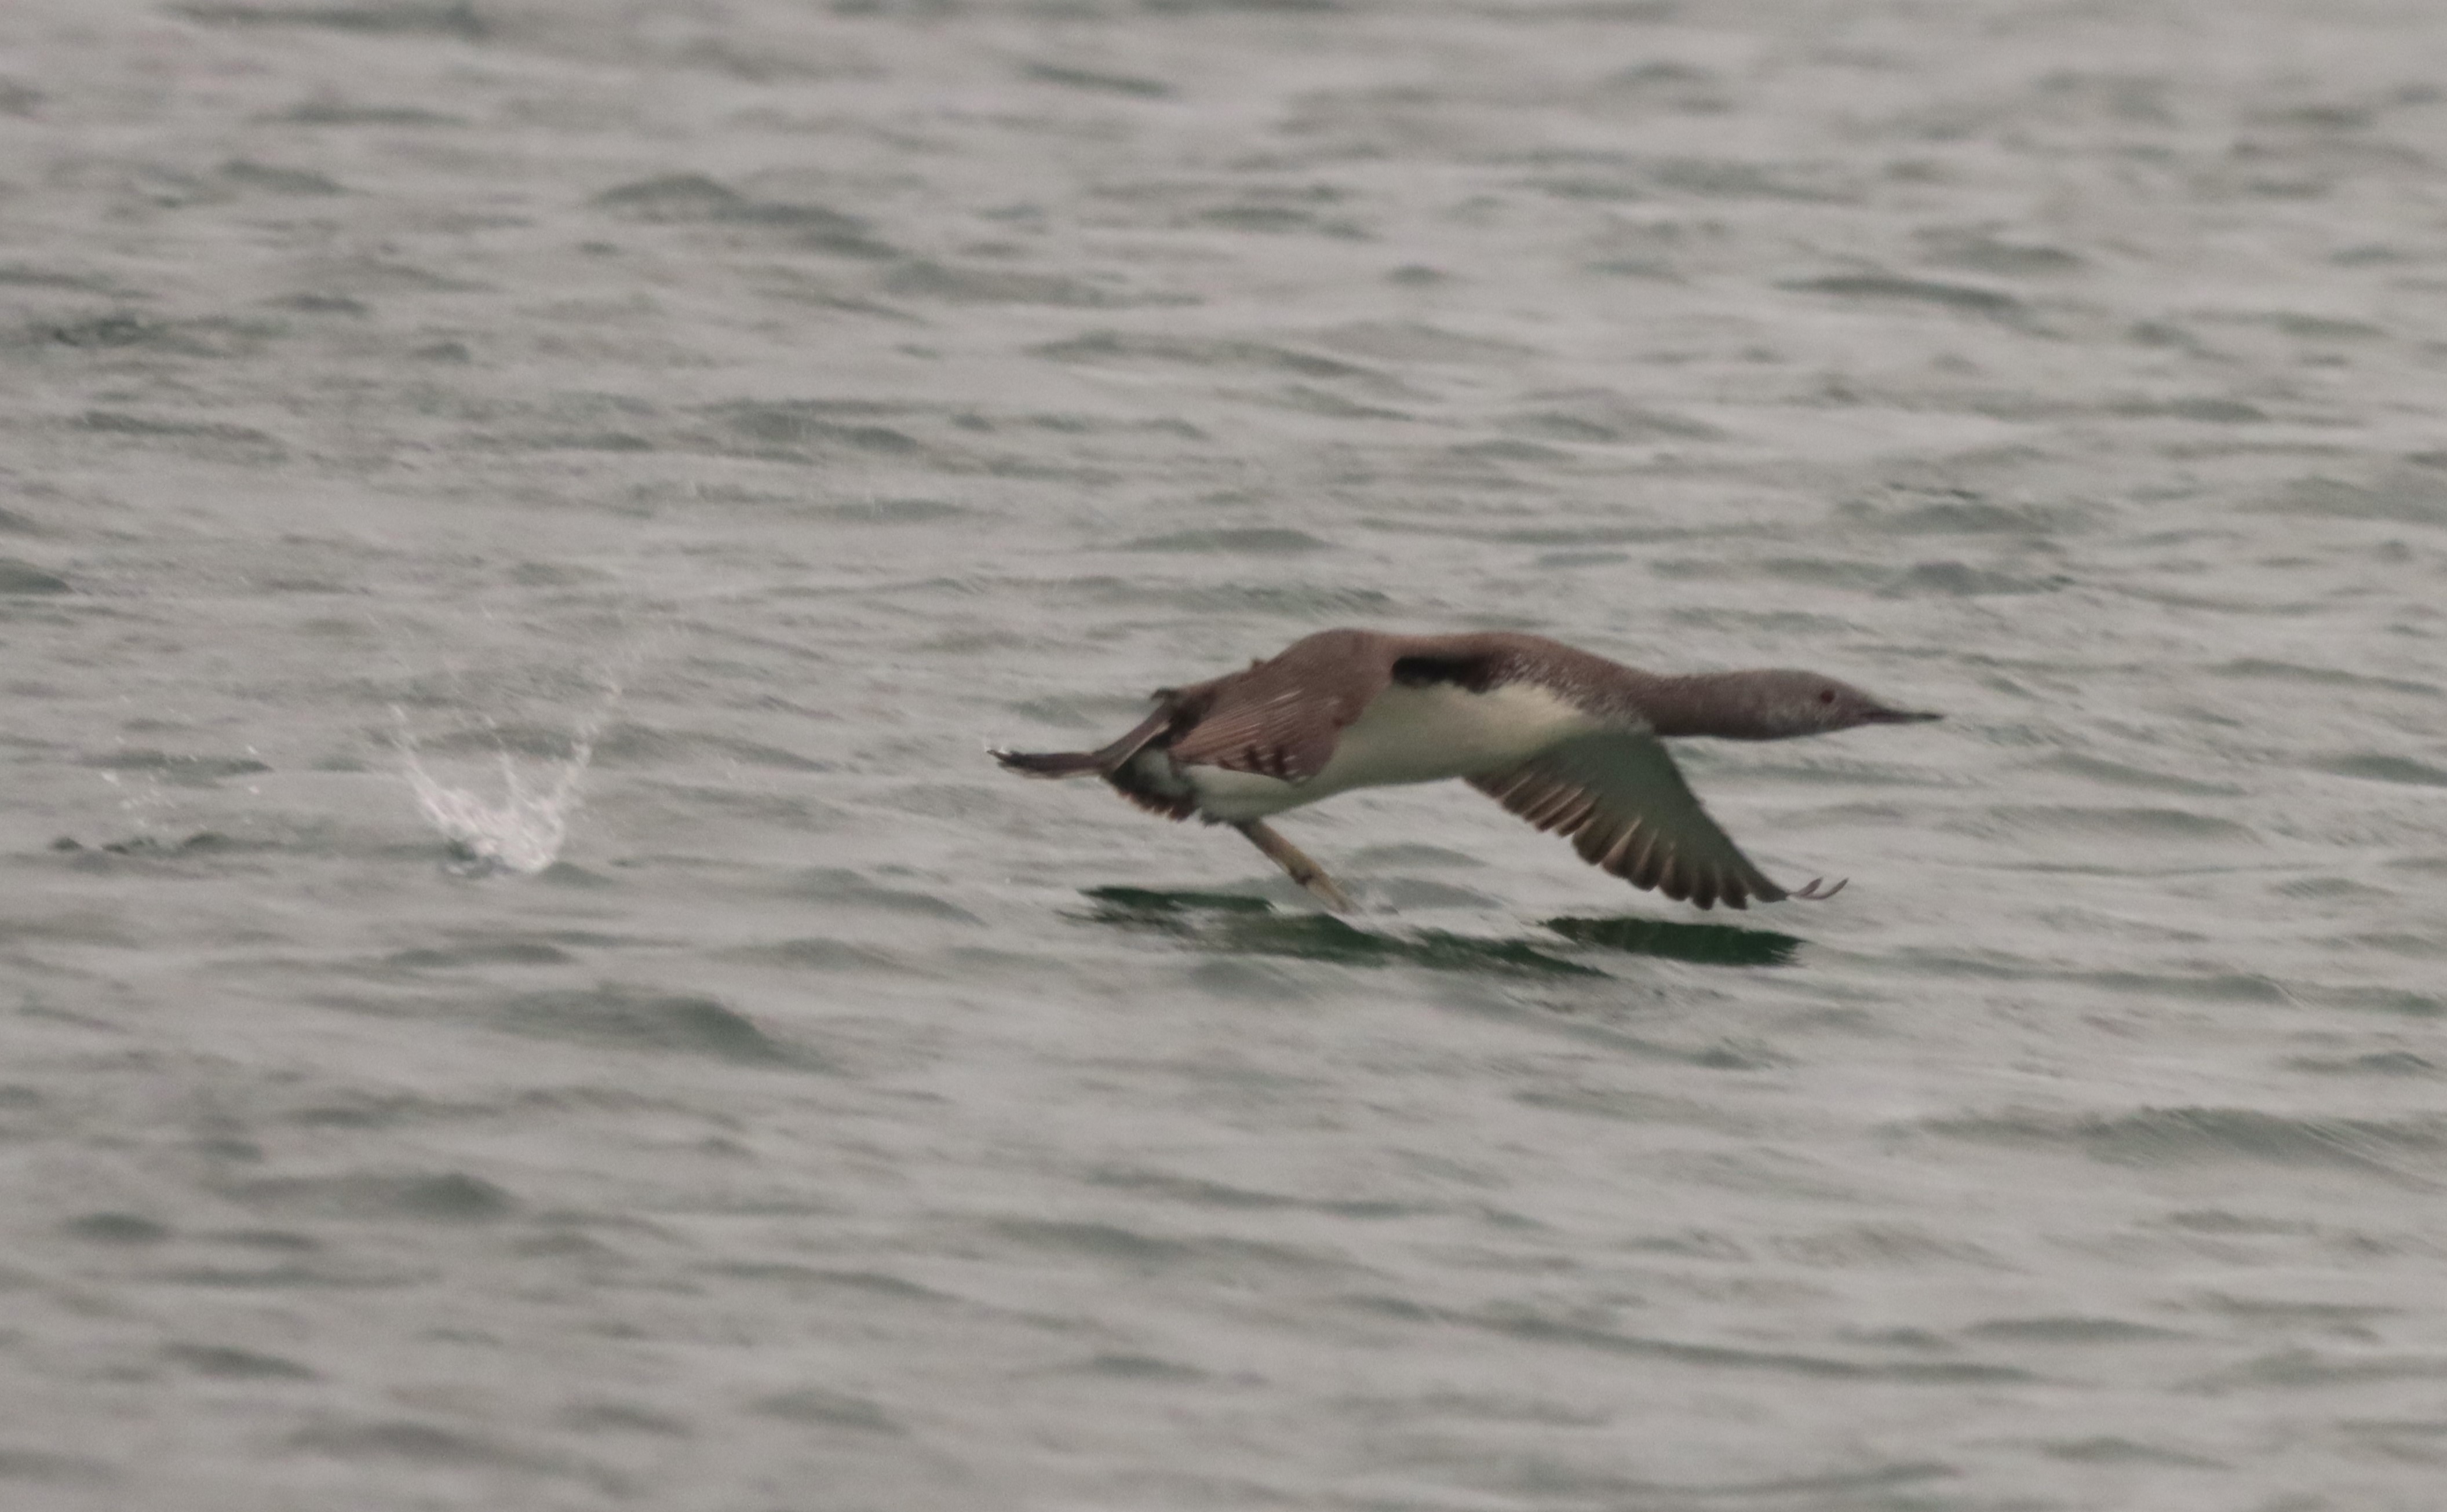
{"x":1408,"y":735}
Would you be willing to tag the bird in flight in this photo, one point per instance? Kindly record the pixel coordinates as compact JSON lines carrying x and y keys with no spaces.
{"x":1566,"y":739}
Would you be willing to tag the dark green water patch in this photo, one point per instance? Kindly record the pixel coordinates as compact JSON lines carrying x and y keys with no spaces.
{"x":1937,"y":1373}
{"x":2372,"y":766}
{"x":2349,"y":1320}
{"x":413,"y":1442}
{"x":819,"y":1407}
{"x":1096,"y":82}
{"x":1151,"y":902}
{"x":25,"y":578}
{"x":2112,"y":1450}
{"x":178,"y":767}
{"x":1234,"y":923}
{"x":452,"y":18}
{"x":1704,"y":944}
{"x":115,"y":1228}
{"x":2387,"y":1000}
{"x":478,"y":951}
{"x":1201,"y":1193}
{"x":237,"y":1364}
{"x":2404,"y":497}
{"x":447,"y":1197}
{"x":2071,"y":1330}
{"x":1112,"y":346}
{"x":1140,"y":1367}
{"x":687,"y":197}
{"x":918,"y":278}
{"x":2181,"y":1136}
{"x":1261,"y":539}
{"x":2379,"y":1062}
{"x":1146,"y":1253}
{"x":1917,"y":290}
{"x":2308,"y":1368}
{"x":202,"y":842}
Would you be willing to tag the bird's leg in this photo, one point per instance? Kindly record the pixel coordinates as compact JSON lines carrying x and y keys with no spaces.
{"x":1291,"y":859}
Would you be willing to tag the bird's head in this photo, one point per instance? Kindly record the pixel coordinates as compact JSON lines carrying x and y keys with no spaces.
{"x":1779,"y":704}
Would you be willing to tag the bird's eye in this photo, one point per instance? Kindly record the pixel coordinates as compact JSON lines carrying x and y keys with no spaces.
{"x":1827,"y":695}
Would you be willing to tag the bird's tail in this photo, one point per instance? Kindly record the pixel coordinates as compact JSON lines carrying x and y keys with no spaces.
{"x":1052,"y":762}
{"x":1102,"y":763}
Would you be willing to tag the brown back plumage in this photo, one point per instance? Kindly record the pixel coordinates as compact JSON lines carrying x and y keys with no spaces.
{"x":1280,"y":717}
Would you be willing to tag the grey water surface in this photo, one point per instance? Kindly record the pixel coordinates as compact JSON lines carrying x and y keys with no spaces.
{"x":520,"y":988}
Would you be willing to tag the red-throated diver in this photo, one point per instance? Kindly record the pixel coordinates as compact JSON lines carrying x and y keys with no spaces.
{"x":1566,"y":739}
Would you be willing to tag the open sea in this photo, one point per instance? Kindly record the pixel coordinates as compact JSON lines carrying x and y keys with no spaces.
{"x":520,"y":989}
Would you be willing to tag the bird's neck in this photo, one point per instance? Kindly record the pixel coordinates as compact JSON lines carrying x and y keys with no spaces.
{"x":1726,"y":706}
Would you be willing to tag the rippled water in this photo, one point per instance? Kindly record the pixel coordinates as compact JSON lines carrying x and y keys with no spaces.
{"x":679,"y":437}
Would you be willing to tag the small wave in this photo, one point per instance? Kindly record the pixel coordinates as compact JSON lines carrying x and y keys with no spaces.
{"x":820,"y":1406}
{"x":1200,"y":1191}
{"x":920,"y":278}
{"x":1542,"y":1330}
{"x":416,"y":1442}
{"x":1413,"y":342}
{"x":1140,"y":1367}
{"x":804,"y":429}
{"x":2071,"y":1330}
{"x":820,"y":953}
{"x":2114,"y":1450}
{"x":447,"y":18}
{"x":2377,"y":1063}
{"x":2168,"y":1136}
{"x":187,"y":770}
{"x":237,"y":1364}
{"x":2309,"y":1368}
{"x":1601,"y":416}
{"x":2404,"y":497}
{"x":1922,"y":291}
{"x":629,"y":1018}
{"x":2377,"y":766}
{"x":2120,"y":774}
{"x":2157,"y":825}
{"x":834,"y":884}
{"x":480,"y":953}
{"x":1956,"y":579}
{"x":1117,"y":347}
{"x":1142,"y":1252}
{"x":1263,"y":541}
{"x":640,"y":745}
{"x":692,"y":199}
{"x":1095,"y":81}
{"x":115,"y":1228}
{"x":447,"y":1197}
{"x":26,"y":578}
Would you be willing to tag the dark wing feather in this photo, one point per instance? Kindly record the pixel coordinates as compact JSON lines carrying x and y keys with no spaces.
{"x":1281,"y":718}
{"x":1623,"y":801}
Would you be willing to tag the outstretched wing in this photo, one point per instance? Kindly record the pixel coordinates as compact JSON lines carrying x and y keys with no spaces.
{"x":1627,"y":809}
{"x":1281,"y":718}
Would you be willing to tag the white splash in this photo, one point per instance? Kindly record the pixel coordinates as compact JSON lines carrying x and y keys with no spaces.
{"x":522,"y":829}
